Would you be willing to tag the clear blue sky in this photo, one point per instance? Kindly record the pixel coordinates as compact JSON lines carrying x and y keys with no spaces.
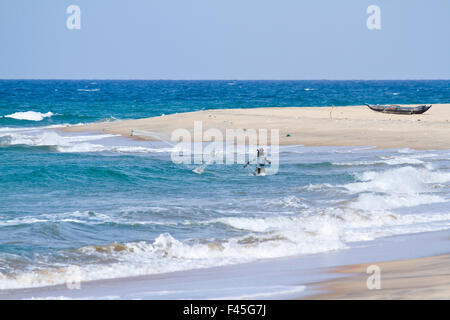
{"x":225,"y":39}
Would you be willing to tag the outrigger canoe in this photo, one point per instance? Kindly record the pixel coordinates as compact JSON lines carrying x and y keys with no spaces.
{"x":396,"y":109}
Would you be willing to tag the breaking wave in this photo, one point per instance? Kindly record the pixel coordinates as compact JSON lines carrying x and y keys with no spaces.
{"x":270,"y":238}
{"x":69,"y":143}
{"x":319,"y":215}
{"x":29,"y":115}
{"x":311,"y":231}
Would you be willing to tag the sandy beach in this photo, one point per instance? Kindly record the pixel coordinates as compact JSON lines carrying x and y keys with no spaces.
{"x":309,"y":126}
{"x":422,"y":278}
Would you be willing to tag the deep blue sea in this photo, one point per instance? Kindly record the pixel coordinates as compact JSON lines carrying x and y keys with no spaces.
{"x":87,"y":101}
{"x":102,"y":206}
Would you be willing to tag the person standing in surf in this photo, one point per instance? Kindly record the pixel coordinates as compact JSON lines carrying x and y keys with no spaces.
{"x":261,"y":161}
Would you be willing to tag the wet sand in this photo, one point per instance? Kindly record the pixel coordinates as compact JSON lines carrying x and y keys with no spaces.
{"x":422,"y":278}
{"x":309,"y":126}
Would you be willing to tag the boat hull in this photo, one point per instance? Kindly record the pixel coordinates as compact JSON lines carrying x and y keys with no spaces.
{"x":399,"y":109}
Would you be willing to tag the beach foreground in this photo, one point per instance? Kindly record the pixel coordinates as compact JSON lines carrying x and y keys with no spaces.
{"x":408,"y":271}
{"x":423,"y":278}
{"x":309,"y":126}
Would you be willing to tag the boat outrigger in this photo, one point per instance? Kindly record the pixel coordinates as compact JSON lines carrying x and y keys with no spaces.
{"x":396,"y":109}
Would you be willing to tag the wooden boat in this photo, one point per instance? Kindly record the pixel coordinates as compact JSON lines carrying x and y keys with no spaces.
{"x":396,"y":109}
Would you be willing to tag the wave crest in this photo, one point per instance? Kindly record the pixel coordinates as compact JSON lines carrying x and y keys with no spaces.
{"x":29,"y":115}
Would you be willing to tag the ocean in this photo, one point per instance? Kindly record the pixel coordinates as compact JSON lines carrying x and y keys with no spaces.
{"x":101,"y":206}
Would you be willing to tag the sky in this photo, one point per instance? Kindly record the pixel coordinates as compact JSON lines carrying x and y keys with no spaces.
{"x":225,"y":39}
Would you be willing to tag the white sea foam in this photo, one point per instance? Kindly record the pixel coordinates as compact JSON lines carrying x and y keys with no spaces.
{"x":269,"y":237}
{"x":390,"y":160}
{"x":312,"y":230}
{"x":315,"y":187}
{"x":366,"y":211}
{"x":48,"y":138}
{"x":404,"y":180}
{"x":367,"y":201}
{"x":94,"y":218}
{"x":85,"y":217}
{"x":70,"y":143}
{"x":89,"y":90}
{"x":29,"y":115}
{"x":165,"y":254}
{"x":401,"y":160}
{"x":396,"y":188}
{"x":288,"y":202}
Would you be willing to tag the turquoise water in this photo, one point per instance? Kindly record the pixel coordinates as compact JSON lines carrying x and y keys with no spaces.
{"x":106,"y":206}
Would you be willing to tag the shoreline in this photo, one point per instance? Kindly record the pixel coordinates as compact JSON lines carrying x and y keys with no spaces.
{"x":327,"y":275}
{"x":292,"y":277}
{"x":416,"y":279}
{"x":308,"y":126}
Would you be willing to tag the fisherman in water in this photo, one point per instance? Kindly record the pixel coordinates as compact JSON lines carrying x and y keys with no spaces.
{"x":261,"y":161}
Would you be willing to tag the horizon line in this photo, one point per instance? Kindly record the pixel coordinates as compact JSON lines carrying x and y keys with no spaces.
{"x":214,"y":79}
